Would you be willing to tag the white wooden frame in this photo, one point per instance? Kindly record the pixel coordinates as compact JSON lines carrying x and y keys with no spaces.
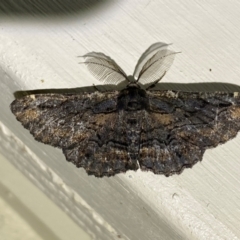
{"x":40,"y":52}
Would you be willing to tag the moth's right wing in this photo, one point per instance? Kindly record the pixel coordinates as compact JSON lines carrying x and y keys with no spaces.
{"x":182,"y":125}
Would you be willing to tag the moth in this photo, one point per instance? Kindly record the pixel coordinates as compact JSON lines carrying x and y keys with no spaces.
{"x":137,"y":127}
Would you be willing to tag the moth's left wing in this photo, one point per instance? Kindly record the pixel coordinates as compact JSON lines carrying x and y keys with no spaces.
{"x":83,"y":125}
{"x":180,"y":126}
{"x":62,"y":120}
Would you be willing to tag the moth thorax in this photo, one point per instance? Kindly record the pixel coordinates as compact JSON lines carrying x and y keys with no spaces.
{"x":134,"y":105}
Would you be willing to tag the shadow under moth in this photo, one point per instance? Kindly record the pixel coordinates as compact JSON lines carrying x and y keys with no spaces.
{"x":137,"y":127}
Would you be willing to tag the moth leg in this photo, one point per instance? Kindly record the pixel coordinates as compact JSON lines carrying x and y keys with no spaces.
{"x":155,"y":82}
{"x":96,"y":88}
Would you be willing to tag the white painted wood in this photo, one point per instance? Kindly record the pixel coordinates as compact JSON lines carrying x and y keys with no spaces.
{"x":39,"y":51}
{"x":27,"y":213}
